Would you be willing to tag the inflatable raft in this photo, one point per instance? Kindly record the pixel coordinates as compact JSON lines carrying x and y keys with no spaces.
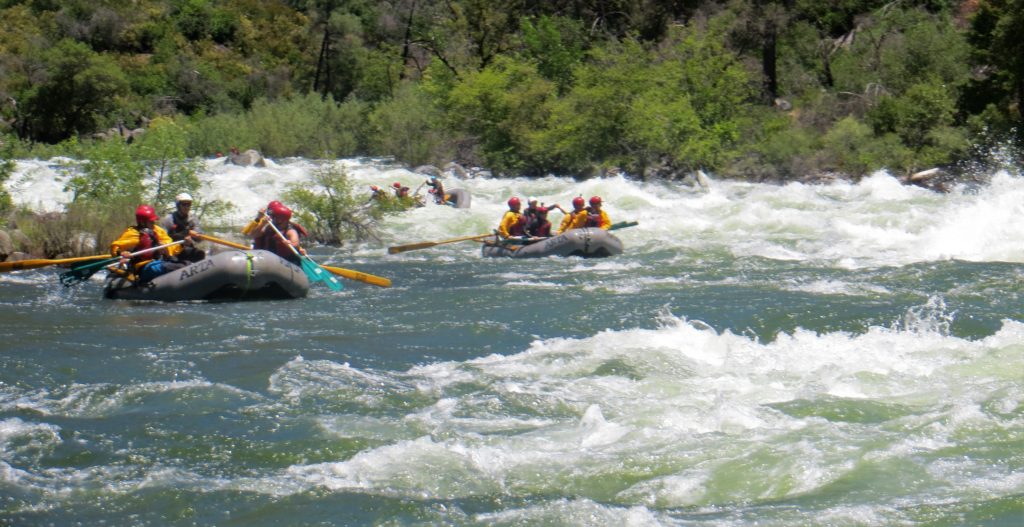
{"x":458,"y":198}
{"x":588,"y":243}
{"x":231,"y":275}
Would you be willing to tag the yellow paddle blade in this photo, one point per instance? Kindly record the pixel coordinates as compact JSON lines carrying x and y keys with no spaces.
{"x":6,"y":267}
{"x":424,"y":245}
{"x":378,"y":281}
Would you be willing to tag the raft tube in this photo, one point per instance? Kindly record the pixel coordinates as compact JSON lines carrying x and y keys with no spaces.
{"x":230,"y":275}
{"x":588,"y":243}
{"x":458,"y":198}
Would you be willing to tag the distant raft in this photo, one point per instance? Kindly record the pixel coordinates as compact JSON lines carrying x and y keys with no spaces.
{"x":231,"y":275}
{"x":458,"y":198}
{"x":588,"y":243}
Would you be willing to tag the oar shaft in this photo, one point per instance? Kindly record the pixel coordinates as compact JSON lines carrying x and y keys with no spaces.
{"x":425,"y":245}
{"x":222,"y":242}
{"x":6,"y":267}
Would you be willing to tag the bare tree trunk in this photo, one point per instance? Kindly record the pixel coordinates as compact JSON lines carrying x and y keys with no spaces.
{"x":768,"y":63}
{"x":322,"y":66}
{"x":407,"y":40}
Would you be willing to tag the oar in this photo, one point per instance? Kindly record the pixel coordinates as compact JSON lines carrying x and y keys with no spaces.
{"x":623,"y":225}
{"x":425,"y":245}
{"x":311,"y":268}
{"x":234,"y":245}
{"x":6,"y":267}
{"x":83,"y":272}
{"x":347,"y":273}
{"x":360,"y":276}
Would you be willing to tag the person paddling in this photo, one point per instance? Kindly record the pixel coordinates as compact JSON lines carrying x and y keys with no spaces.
{"x":180,"y":224}
{"x":596,"y":216}
{"x":513,"y":223}
{"x":267,"y":239}
{"x":146,"y":234}
{"x":437,"y":189}
{"x":540,"y":227}
{"x":576,"y":218}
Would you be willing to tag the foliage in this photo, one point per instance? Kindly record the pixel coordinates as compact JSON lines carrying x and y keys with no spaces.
{"x":329,"y":210}
{"x":521,"y":87}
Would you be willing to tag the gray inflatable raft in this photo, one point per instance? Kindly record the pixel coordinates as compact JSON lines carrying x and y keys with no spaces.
{"x":588,"y":243}
{"x":231,"y":275}
{"x":458,"y":198}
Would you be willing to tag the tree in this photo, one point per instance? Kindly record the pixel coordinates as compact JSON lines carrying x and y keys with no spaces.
{"x":78,"y":92}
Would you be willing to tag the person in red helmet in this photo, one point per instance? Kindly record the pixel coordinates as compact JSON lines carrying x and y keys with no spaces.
{"x":540,"y":227}
{"x":513,"y":223}
{"x":267,"y":239}
{"x":400,"y":190}
{"x":596,"y":216}
{"x":146,"y":234}
{"x":576,"y":218}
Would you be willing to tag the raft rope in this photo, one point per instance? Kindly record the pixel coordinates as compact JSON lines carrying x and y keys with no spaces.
{"x":249,"y":271}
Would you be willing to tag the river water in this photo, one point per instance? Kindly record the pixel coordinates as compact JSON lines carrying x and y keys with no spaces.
{"x":838,"y":355}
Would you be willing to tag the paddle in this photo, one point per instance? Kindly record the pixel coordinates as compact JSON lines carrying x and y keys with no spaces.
{"x":623,"y":225}
{"x":425,"y":245}
{"x":311,"y":268}
{"x":83,"y":272}
{"x":6,"y":267}
{"x":360,"y":276}
{"x":379,"y":281}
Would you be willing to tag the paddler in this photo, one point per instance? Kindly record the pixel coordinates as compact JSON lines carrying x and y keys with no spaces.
{"x":596,"y":216}
{"x":267,"y":239}
{"x":513,"y":223}
{"x":144,"y":235}
{"x":540,"y":227}
{"x":576,"y":218}
{"x":180,"y":224}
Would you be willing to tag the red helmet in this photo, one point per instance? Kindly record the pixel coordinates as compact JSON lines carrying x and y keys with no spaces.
{"x":281,"y":212}
{"x":513,"y":203}
{"x":274,"y":204}
{"x":595,"y":201}
{"x":374,"y":188}
{"x":396,"y":184}
{"x":578,"y":202}
{"x":145,"y":213}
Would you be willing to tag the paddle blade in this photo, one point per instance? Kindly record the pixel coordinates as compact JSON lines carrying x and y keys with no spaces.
{"x":318,"y":274}
{"x":366,"y":278}
{"x":82,"y":273}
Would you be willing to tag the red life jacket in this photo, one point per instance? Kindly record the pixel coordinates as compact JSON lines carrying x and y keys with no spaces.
{"x":270,"y":241}
{"x":593,"y":220}
{"x":542,"y":230}
{"x":519,"y":227}
{"x":147,"y":240}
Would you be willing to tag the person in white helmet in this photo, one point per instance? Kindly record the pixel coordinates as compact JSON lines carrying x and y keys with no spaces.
{"x":181,"y":225}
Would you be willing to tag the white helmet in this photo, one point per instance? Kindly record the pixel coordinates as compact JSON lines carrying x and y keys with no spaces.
{"x":531,"y":199}
{"x":184,"y":196}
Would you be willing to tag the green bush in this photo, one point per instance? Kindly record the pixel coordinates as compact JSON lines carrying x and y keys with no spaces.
{"x":328,"y":209}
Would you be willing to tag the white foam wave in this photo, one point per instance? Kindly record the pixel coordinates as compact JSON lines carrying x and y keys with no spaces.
{"x":877,"y":221}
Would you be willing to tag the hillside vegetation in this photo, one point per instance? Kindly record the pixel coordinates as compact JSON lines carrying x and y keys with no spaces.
{"x":759,"y":89}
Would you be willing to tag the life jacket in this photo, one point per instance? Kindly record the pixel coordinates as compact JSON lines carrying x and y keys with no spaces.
{"x":179,"y":227}
{"x":541,"y":229}
{"x":519,"y":227}
{"x":147,"y":240}
{"x":593,"y":218}
{"x":270,"y":241}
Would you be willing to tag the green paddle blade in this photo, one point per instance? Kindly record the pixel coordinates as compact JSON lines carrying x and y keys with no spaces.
{"x":81,"y":273}
{"x":318,"y":274}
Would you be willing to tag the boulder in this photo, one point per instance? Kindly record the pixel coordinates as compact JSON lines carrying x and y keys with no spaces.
{"x":6,"y":245}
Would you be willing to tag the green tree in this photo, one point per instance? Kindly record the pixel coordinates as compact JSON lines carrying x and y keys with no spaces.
{"x":78,"y":92}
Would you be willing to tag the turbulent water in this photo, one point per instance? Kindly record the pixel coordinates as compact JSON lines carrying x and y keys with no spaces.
{"x":841,"y":355}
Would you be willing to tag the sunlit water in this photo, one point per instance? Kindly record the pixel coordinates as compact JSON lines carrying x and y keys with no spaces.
{"x":839,"y":355}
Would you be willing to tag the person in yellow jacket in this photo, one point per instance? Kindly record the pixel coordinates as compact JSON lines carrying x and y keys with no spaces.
{"x":574,"y":219}
{"x":513,"y":223}
{"x":146,"y":234}
{"x":596,"y":216}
